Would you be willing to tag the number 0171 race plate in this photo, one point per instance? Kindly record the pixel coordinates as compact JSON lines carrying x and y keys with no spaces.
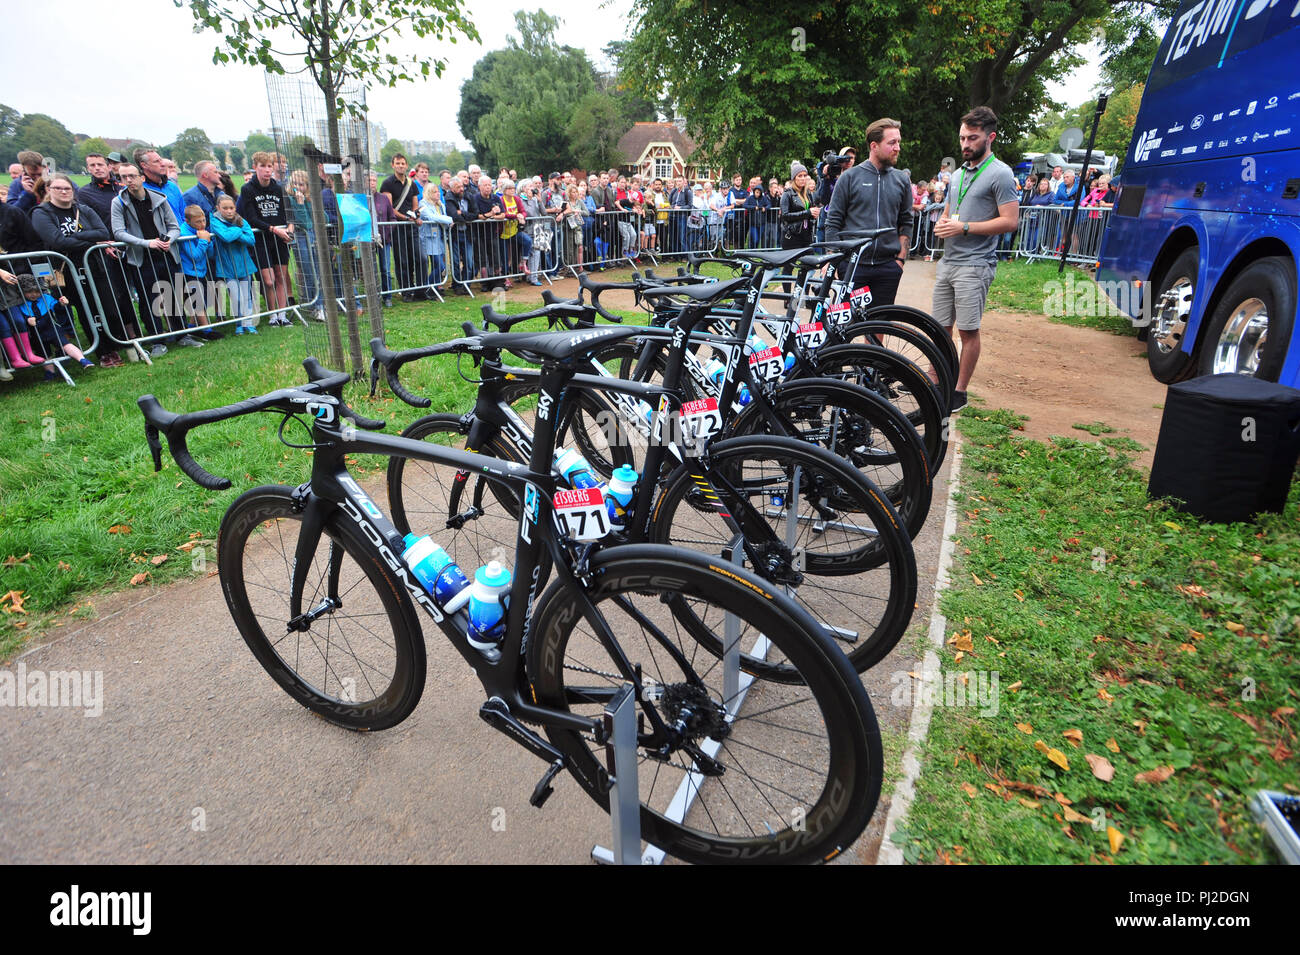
{"x":581,"y":512}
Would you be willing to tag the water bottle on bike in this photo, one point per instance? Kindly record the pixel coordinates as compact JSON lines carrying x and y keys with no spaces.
{"x":445,"y":582}
{"x":489,"y":597}
{"x":575,"y":469}
{"x":618,"y":495}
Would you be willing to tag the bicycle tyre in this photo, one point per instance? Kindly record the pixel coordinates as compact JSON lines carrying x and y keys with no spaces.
{"x":424,"y":498}
{"x":898,"y":381}
{"x":913,"y":345}
{"x":346,"y":644}
{"x":869,"y":433}
{"x":860,"y":587}
{"x":819,"y":733}
{"x":907,"y":315}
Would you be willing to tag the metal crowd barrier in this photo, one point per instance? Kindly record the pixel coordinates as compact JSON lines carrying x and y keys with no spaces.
{"x":481,"y":255}
{"x":156,"y":302}
{"x":752,"y":229}
{"x":1040,"y":233}
{"x":406,"y":261}
{"x":57,"y":333}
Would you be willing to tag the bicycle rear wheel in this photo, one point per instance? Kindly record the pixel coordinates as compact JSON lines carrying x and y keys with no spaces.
{"x":792,"y":772}
{"x":832,"y":542}
{"x":898,"y":381}
{"x":860,"y":427}
{"x":356,"y":654}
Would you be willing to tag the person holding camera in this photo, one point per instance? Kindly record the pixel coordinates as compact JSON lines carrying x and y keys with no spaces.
{"x":870,"y":197}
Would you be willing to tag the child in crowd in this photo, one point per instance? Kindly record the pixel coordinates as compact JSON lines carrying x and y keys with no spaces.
{"x":232,"y":239}
{"x":52,"y":320}
{"x":13,"y":328}
{"x":195,"y":253}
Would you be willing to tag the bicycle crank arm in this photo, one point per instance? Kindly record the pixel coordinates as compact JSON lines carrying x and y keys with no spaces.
{"x":497,"y":714}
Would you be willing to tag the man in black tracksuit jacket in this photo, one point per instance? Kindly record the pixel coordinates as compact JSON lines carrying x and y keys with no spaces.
{"x":874,"y":195}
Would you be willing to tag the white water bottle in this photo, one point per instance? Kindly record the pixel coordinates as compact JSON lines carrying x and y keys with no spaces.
{"x":489,"y":596}
{"x":575,"y":468}
{"x":618,"y":495}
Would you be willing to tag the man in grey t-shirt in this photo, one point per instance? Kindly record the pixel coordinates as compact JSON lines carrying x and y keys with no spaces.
{"x":982,"y":203}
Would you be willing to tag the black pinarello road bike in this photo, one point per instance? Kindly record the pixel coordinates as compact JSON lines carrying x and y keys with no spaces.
{"x":773,"y":770}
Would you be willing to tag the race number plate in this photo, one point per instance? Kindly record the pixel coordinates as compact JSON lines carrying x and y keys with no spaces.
{"x":839,"y":314}
{"x":701,"y":418}
{"x":860,"y":297}
{"x":766,"y":364}
{"x":811,"y":334}
{"x":582,"y":513}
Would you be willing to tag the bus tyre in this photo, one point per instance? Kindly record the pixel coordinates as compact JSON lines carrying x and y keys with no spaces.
{"x":1251,"y":328}
{"x":1171,"y":305}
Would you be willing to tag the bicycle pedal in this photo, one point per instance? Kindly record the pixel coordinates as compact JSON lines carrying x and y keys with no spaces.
{"x":542,"y":791}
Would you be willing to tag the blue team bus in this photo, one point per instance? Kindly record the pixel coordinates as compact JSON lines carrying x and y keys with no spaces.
{"x":1203,"y":245}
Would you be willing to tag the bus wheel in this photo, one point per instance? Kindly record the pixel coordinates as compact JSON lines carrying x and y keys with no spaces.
{"x":1171,"y":305}
{"x":1251,"y":328}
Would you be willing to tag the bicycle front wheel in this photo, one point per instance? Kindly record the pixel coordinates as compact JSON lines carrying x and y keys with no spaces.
{"x":772,"y":772}
{"x":355,"y":654}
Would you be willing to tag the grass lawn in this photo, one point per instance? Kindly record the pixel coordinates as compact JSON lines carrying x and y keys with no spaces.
{"x":1072,"y":298}
{"x":1146,"y":661}
{"x":81,"y":509}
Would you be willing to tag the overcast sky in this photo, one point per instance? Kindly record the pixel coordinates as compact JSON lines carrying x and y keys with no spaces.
{"x":141,"y":72}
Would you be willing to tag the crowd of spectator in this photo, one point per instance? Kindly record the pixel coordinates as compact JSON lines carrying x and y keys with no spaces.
{"x":174,"y":262}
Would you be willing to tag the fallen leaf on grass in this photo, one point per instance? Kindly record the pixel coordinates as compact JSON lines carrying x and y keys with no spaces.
{"x":1101,"y":767}
{"x":1074,"y":736}
{"x":1105,"y":696}
{"x":139,"y":579}
{"x":1154,"y":776}
{"x":1025,"y":728}
{"x":1282,"y":711}
{"x":957,"y":658}
{"x":1055,"y":755}
{"x":1112,"y":745}
{"x":1248,"y":720}
{"x":1018,"y":595}
{"x":978,"y":582}
{"x":63,"y":565}
{"x":1116,"y":839}
{"x":1014,"y":686}
{"x":12,"y":561}
{"x":1196,"y":635}
{"x":196,"y":534}
{"x":1235,"y":627}
{"x":970,"y":790}
{"x":1172,"y":526}
{"x":1030,"y":803}
{"x":15,"y":600}
{"x":994,"y":788}
{"x":1072,"y":816}
{"x":962,"y":641}
{"x":1171,"y":824}
{"x":187,"y":546}
{"x":1186,"y":648}
{"x":158,"y":559}
{"x":120,"y":529}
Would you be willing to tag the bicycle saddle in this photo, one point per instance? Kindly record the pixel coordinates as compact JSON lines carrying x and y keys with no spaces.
{"x":703,"y":292}
{"x":557,"y":346}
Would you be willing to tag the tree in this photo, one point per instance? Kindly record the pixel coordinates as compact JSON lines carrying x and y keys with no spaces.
{"x":772,"y":87}
{"x":237,"y":158}
{"x":220,"y":155}
{"x":92,"y":145}
{"x":594,"y":131}
{"x":455,"y":161}
{"x":9,"y":118}
{"x":534,"y":86}
{"x":259,"y":143}
{"x":337,"y":43}
{"x":47,"y":136}
{"x":476,"y":101}
{"x":391,"y":149}
{"x":190,"y":147}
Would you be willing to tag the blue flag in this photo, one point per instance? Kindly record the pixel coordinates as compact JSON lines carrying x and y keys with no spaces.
{"x":354,"y":213}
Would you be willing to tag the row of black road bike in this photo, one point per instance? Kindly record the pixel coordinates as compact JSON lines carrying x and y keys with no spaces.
{"x":714,"y":508}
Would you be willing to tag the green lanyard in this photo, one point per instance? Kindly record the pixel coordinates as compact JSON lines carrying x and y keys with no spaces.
{"x":963,"y":187}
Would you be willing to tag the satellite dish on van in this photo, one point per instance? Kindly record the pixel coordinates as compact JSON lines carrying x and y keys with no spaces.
{"x":947,"y":164}
{"x":1071,"y":138}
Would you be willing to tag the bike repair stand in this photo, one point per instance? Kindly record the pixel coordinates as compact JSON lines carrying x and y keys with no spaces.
{"x":621,"y":750}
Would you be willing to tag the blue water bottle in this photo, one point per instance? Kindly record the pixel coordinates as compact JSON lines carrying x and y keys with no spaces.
{"x":489,"y":597}
{"x":619,"y":493}
{"x":445,"y":582}
{"x":575,"y":469}
{"x":715,"y":370}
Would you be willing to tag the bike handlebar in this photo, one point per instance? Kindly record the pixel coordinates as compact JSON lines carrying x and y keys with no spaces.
{"x":160,"y":421}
